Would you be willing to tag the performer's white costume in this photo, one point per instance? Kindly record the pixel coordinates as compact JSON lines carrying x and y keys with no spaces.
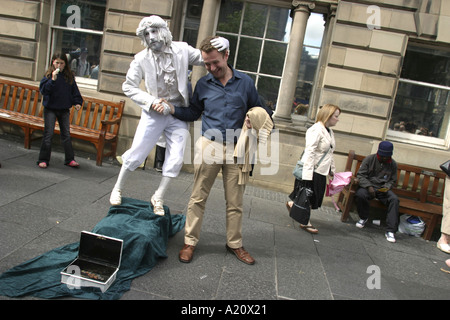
{"x":165,"y":73}
{"x":164,"y":78}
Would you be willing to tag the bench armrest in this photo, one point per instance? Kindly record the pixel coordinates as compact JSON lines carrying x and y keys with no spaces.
{"x":113,"y":121}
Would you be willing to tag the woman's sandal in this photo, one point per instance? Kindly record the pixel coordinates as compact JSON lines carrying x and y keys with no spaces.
{"x":447,"y":269}
{"x":309,"y":228}
{"x":42,"y":165}
{"x":443,"y":247}
{"x":73,"y":164}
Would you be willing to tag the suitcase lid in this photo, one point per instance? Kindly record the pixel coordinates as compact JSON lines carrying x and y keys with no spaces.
{"x":100,"y":249}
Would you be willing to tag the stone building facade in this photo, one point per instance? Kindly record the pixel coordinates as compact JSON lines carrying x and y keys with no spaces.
{"x":386,"y":64}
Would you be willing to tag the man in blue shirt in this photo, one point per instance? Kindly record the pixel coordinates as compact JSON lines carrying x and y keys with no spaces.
{"x":222,"y":98}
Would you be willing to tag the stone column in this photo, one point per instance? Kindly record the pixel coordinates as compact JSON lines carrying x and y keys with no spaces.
{"x":207,"y":28}
{"x":302,"y":10}
{"x":330,"y":21}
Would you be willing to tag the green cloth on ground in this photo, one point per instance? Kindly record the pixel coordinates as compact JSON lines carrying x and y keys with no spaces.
{"x":145,"y":237}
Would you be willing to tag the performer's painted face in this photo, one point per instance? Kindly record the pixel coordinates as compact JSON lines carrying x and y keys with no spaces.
{"x":153,"y":39}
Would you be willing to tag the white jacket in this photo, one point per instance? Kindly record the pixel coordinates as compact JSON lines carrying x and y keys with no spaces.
{"x":318,"y":142}
{"x":143,"y":67}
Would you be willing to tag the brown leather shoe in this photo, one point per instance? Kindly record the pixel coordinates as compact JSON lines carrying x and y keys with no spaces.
{"x":242,"y":255}
{"x":186,"y":253}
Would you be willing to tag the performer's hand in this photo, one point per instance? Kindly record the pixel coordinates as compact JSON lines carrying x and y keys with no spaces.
{"x":220,"y":43}
{"x":162,"y":106}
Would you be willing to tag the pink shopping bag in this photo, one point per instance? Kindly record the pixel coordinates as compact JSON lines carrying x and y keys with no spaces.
{"x":340,"y":180}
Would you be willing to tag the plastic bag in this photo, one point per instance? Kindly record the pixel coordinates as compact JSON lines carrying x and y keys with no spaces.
{"x":411,"y":225}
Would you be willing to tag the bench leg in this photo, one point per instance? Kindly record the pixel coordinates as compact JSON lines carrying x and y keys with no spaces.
{"x":99,"y":159}
{"x":27,"y":140}
{"x":429,"y":229}
{"x":100,"y":145}
{"x":345,"y":202}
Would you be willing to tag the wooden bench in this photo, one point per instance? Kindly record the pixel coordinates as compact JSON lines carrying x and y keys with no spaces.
{"x":97,"y":122}
{"x":419,"y":190}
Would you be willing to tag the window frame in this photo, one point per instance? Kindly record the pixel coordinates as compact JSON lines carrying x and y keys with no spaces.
{"x":87,"y":83}
{"x":415,"y":139}
{"x":256,"y":75}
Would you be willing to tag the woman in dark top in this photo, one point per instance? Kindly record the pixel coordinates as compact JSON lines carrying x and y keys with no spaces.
{"x":60,"y":93}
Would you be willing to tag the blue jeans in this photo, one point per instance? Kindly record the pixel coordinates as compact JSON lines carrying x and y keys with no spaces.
{"x":50,"y":117}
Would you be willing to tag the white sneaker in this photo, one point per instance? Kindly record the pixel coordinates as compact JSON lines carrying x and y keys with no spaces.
{"x":158,"y":208}
{"x":390,"y":236}
{"x":361,"y":223}
{"x":116,"y":197}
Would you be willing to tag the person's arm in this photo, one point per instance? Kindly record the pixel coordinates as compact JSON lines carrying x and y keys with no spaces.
{"x":195,"y":56}
{"x":363,"y":176}
{"x":312,"y":139}
{"x":46,"y":85}
{"x":76,"y":96}
{"x":393,"y":179}
{"x":191,"y":113}
{"x":131,"y":86}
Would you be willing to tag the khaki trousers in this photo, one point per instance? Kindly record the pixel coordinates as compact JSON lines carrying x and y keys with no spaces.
{"x":210,"y":158}
{"x":445,"y":225}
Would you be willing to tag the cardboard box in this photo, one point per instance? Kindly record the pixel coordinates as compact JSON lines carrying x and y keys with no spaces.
{"x":97,"y":263}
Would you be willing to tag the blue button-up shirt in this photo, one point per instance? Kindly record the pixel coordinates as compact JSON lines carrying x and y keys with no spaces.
{"x":222,"y":107}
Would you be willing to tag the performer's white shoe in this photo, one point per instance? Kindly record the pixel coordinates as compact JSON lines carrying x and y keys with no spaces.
{"x":116,"y":197}
{"x":158,"y":208}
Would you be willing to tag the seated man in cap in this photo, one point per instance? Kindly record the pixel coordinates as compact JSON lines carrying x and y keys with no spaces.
{"x":377,"y":175}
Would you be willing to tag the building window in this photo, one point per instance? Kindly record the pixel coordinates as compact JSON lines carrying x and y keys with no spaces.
{"x":258,"y":35}
{"x":77,"y":30}
{"x":421,"y":110}
{"x":308,"y":64}
{"x":192,"y":21}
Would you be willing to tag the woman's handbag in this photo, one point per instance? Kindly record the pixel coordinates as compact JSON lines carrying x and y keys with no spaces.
{"x":301,"y":209}
{"x":298,"y":169}
{"x":446,"y":167}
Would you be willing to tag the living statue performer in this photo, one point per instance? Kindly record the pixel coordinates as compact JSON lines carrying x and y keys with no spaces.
{"x":163,"y":65}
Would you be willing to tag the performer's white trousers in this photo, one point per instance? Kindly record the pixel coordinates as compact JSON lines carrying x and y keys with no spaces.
{"x":150,"y":128}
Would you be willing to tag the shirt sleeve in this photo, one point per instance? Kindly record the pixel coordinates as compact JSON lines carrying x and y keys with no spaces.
{"x":131,"y":87}
{"x":392,"y":182}
{"x":311,"y":148}
{"x":363,"y":174}
{"x":46,"y":85}
{"x":195,"y":109}
{"x":76,"y":95}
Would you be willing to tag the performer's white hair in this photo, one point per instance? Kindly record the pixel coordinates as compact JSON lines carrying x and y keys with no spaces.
{"x":154,"y":22}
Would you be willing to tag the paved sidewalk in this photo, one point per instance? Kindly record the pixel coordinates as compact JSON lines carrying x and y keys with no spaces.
{"x":41,"y":209}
